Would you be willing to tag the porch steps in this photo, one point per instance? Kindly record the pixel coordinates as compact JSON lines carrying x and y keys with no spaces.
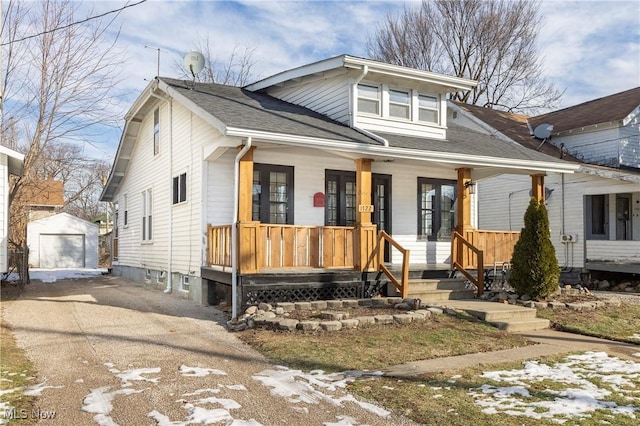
{"x":439,"y":289}
{"x":511,"y":318}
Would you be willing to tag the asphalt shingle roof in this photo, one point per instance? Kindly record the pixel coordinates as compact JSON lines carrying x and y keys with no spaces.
{"x":237,"y":107}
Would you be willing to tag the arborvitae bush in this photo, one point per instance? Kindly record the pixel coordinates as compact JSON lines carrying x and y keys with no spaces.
{"x":534,"y":266}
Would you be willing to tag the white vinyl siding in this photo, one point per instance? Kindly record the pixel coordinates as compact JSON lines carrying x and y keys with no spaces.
{"x":328,"y":96}
{"x":190,"y":135}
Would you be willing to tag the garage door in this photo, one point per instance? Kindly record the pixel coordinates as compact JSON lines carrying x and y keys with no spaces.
{"x":62,"y":250}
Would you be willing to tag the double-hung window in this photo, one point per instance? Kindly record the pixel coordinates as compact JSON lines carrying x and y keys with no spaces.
{"x":156,"y":131}
{"x":436,"y":208}
{"x":428,"y":109}
{"x":126,"y":210}
{"x":369,"y":99}
{"x":400,"y":104}
{"x":147,"y":223}
{"x":180,"y":188}
{"x":597,"y":217}
{"x":272,"y":194}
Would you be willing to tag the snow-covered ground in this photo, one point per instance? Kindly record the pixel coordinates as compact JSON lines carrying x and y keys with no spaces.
{"x":574,"y":389}
{"x":53,"y":275}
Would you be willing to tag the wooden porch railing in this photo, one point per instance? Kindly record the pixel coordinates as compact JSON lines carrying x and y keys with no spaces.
{"x":401,"y":284}
{"x":477,"y":249}
{"x":268,"y":246}
{"x":295,"y":246}
{"x":460,"y":248}
{"x":219,"y":245}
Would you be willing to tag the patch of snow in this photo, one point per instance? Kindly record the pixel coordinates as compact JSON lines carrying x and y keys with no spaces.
{"x":228,"y":404}
{"x":580,"y":397}
{"x":235,"y":387}
{"x":199,"y":372}
{"x":53,"y":275}
{"x":311,"y":388}
{"x":201,"y":391}
{"x":342,"y":421}
{"x":99,"y":402}
{"x":129,"y":376}
{"x":635,"y":337}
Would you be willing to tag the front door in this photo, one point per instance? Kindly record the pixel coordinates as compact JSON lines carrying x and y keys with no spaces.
{"x":381,"y":200}
{"x":623,"y":218}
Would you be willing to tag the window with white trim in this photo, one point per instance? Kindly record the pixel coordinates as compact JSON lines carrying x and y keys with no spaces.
{"x":147,"y":208}
{"x":369,"y":99}
{"x":180,"y":188}
{"x":428,"y":109}
{"x":126,"y":211}
{"x":400,"y":104}
{"x":156,"y":131}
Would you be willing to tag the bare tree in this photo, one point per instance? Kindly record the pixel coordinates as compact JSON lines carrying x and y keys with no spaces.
{"x":58,"y":80}
{"x":234,"y":70}
{"x":492,"y":42}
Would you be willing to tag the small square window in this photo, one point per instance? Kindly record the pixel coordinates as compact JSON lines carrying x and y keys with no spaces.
{"x":180,"y":188}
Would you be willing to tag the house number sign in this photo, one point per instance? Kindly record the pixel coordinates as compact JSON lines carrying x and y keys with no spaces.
{"x":363,"y":208}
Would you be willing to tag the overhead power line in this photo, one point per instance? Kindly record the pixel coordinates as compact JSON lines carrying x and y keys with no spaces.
{"x":75,"y":23}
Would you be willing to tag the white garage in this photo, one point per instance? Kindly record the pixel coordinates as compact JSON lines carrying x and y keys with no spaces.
{"x":62,"y":241}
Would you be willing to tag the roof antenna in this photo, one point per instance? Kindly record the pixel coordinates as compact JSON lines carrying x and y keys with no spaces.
{"x":158,"y":49}
{"x":194,"y":63}
{"x":543,"y":131}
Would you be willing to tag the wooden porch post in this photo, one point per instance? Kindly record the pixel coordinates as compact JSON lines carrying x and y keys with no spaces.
{"x":249,"y":248}
{"x":463,"y":220}
{"x":537,"y":187}
{"x":365,"y":235}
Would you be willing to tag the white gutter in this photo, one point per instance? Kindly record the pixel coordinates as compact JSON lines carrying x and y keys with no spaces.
{"x":234,"y":230}
{"x":169,"y":286}
{"x":353,"y":100}
{"x":403,"y":153}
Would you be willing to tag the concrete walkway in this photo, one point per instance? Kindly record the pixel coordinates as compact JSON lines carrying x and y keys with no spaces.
{"x":548,"y":342}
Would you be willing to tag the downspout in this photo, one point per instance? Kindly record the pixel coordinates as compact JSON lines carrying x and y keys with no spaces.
{"x":353,"y":98}
{"x":234,"y":230}
{"x":169,"y":286}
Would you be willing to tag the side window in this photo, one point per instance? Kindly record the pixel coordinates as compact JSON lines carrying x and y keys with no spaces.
{"x":156,"y":131}
{"x":147,"y":223}
{"x":597,"y":217}
{"x":180,"y":188}
{"x":126,"y":211}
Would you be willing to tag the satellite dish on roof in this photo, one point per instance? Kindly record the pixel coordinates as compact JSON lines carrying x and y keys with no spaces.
{"x":194,"y":62}
{"x":543,"y":131}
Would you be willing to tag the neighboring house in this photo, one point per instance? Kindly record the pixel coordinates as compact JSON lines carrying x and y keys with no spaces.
{"x":11,"y":163}
{"x":218,"y":187}
{"x":42,"y":198}
{"x":62,"y":241}
{"x":595,"y":213}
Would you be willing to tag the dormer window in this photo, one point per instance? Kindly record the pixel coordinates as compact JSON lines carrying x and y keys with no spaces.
{"x":400,"y":104}
{"x":369,"y":99}
{"x":428,"y":108}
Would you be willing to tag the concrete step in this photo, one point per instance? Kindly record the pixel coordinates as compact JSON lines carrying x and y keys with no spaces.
{"x":510,"y":318}
{"x":419,"y":285}
{"x":517,"y":326}
{"x":430,"y":296}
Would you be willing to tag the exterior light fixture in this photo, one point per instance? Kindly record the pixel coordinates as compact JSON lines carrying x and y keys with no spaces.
{"x":471,"y":186}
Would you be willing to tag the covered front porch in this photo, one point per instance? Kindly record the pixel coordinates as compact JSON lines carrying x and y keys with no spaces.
{"x":349,"y":256}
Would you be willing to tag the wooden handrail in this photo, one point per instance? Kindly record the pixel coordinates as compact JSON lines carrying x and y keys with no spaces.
{"x":403,"y":284}
{"x":456,"y":261}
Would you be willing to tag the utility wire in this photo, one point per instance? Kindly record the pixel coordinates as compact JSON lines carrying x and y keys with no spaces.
{"x":74,"y":23}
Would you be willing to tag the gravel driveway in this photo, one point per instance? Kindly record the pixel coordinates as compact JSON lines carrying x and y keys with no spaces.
{"x":108,"y":351}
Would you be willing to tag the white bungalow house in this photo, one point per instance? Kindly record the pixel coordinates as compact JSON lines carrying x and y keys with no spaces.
{"x":11,"y":163}
{"x":594,"y":213}
{"x":279,"y":189}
